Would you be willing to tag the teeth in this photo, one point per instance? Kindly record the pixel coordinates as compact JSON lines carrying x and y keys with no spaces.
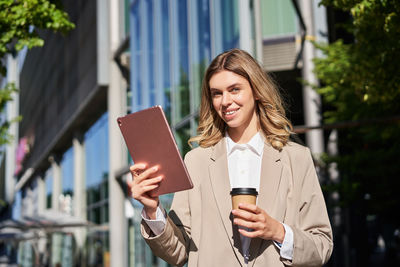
{"x":230,"y":112}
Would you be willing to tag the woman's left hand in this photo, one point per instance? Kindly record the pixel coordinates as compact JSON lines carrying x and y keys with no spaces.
{"x":255,"y":218}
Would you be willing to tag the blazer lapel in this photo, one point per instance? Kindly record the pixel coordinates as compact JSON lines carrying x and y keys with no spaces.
{"x":219,"y":179}
{"x":271,"y":170}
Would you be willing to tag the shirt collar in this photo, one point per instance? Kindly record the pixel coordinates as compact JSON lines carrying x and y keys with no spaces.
{"x":256,"y":144}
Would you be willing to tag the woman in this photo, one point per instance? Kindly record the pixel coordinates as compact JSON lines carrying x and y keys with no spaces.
{"x":243,"y":138}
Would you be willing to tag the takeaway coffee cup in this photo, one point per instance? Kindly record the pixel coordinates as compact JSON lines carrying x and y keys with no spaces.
{"x":243,"y":195}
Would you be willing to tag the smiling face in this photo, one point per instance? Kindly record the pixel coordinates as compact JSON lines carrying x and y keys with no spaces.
{"x":233,"y":100}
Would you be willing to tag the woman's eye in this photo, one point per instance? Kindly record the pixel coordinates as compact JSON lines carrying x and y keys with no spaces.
{"x":215,"y":93}
{"x":235,"y":89}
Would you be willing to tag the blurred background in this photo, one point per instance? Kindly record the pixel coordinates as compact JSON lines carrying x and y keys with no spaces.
{"x":70,"y":68}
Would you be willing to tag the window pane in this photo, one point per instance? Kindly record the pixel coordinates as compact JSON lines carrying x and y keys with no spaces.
{"x":97,"y":168}
{"x":104,"y":218}
{"x":67,"y":169}
{"x":166,"y":59}
{"x":97,"y":247}
{"x":126,"y":9}
{"x":49,"y":187}
{"x":136,"y":72}
{"x":203,"y":15}
{"x":182,"y":67}
{"x":226,"y":25}
{"x":149,"y":56}
{"x":93,"y":195}
{"x":97,"y":152}
{"x":16,"y":208}
{"x":230,"y":24}
{"x":201,"y":45}
{"x":278,"y":18}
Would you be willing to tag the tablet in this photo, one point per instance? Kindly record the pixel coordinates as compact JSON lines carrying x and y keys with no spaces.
{"x":150,"y":140}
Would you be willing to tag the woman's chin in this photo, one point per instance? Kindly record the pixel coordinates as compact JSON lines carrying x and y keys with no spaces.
{"x":232,"y":125}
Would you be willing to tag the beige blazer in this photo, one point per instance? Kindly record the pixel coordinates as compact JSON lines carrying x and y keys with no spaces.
{"x":199,"y":227}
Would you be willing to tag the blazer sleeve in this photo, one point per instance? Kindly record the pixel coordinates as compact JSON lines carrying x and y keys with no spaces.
{"x":312,"y":231}
{"x":172,"y":245}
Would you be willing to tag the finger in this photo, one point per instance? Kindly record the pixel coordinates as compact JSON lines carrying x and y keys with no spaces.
{"x":146,"y":174}
{"x":146,"y":199}
{"x":250,"y":207}
{"x":148,"y":188}
{"x":152,"y":181}
{"x":251,"y":234}
{"x":137,"y":168}
{"x":244,"y":223}
{"x":143,"y":191}
{"x":245,"y":215}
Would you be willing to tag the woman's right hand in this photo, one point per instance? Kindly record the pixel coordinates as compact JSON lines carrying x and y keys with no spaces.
{"x":143,"y":181}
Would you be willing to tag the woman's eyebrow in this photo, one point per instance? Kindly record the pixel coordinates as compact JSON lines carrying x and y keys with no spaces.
{"x":233,"y":85}
{"x":229,"y":87}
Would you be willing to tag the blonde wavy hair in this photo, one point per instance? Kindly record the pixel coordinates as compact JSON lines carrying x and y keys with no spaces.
{"x":269,"y":106}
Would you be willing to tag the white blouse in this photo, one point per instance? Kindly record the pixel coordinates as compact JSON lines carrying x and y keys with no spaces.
{"x":244,"y":168}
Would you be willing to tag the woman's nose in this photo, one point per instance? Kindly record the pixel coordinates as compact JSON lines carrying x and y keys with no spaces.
{"x":226,"y":99}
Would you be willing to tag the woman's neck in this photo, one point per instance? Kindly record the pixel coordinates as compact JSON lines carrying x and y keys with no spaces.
{"x":243,"y":135}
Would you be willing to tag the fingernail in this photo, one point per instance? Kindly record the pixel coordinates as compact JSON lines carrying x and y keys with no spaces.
{"x":155,"y":168}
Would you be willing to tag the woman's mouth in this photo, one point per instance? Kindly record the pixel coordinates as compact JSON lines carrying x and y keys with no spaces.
{"x":229,"y":114}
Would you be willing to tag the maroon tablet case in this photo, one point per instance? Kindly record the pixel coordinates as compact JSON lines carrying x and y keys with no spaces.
{"x":149,"y":140}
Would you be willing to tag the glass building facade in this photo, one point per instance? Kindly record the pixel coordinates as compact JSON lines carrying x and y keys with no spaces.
{"x":96,"y":174}
{"x":62,"y":246}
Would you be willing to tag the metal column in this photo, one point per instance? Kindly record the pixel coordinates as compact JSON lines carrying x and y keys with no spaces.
{"x":245,"y":26}
{"x":311,"y":99}
{"x":12,"y":112}
{"x":57,"y":182}
{"x":41,"y":194}
{"x":79,"y":199}
{"x":118,"y":156}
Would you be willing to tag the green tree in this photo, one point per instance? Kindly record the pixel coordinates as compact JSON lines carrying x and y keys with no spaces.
{"x":360,"y":82}
{"x":20,"y":23}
